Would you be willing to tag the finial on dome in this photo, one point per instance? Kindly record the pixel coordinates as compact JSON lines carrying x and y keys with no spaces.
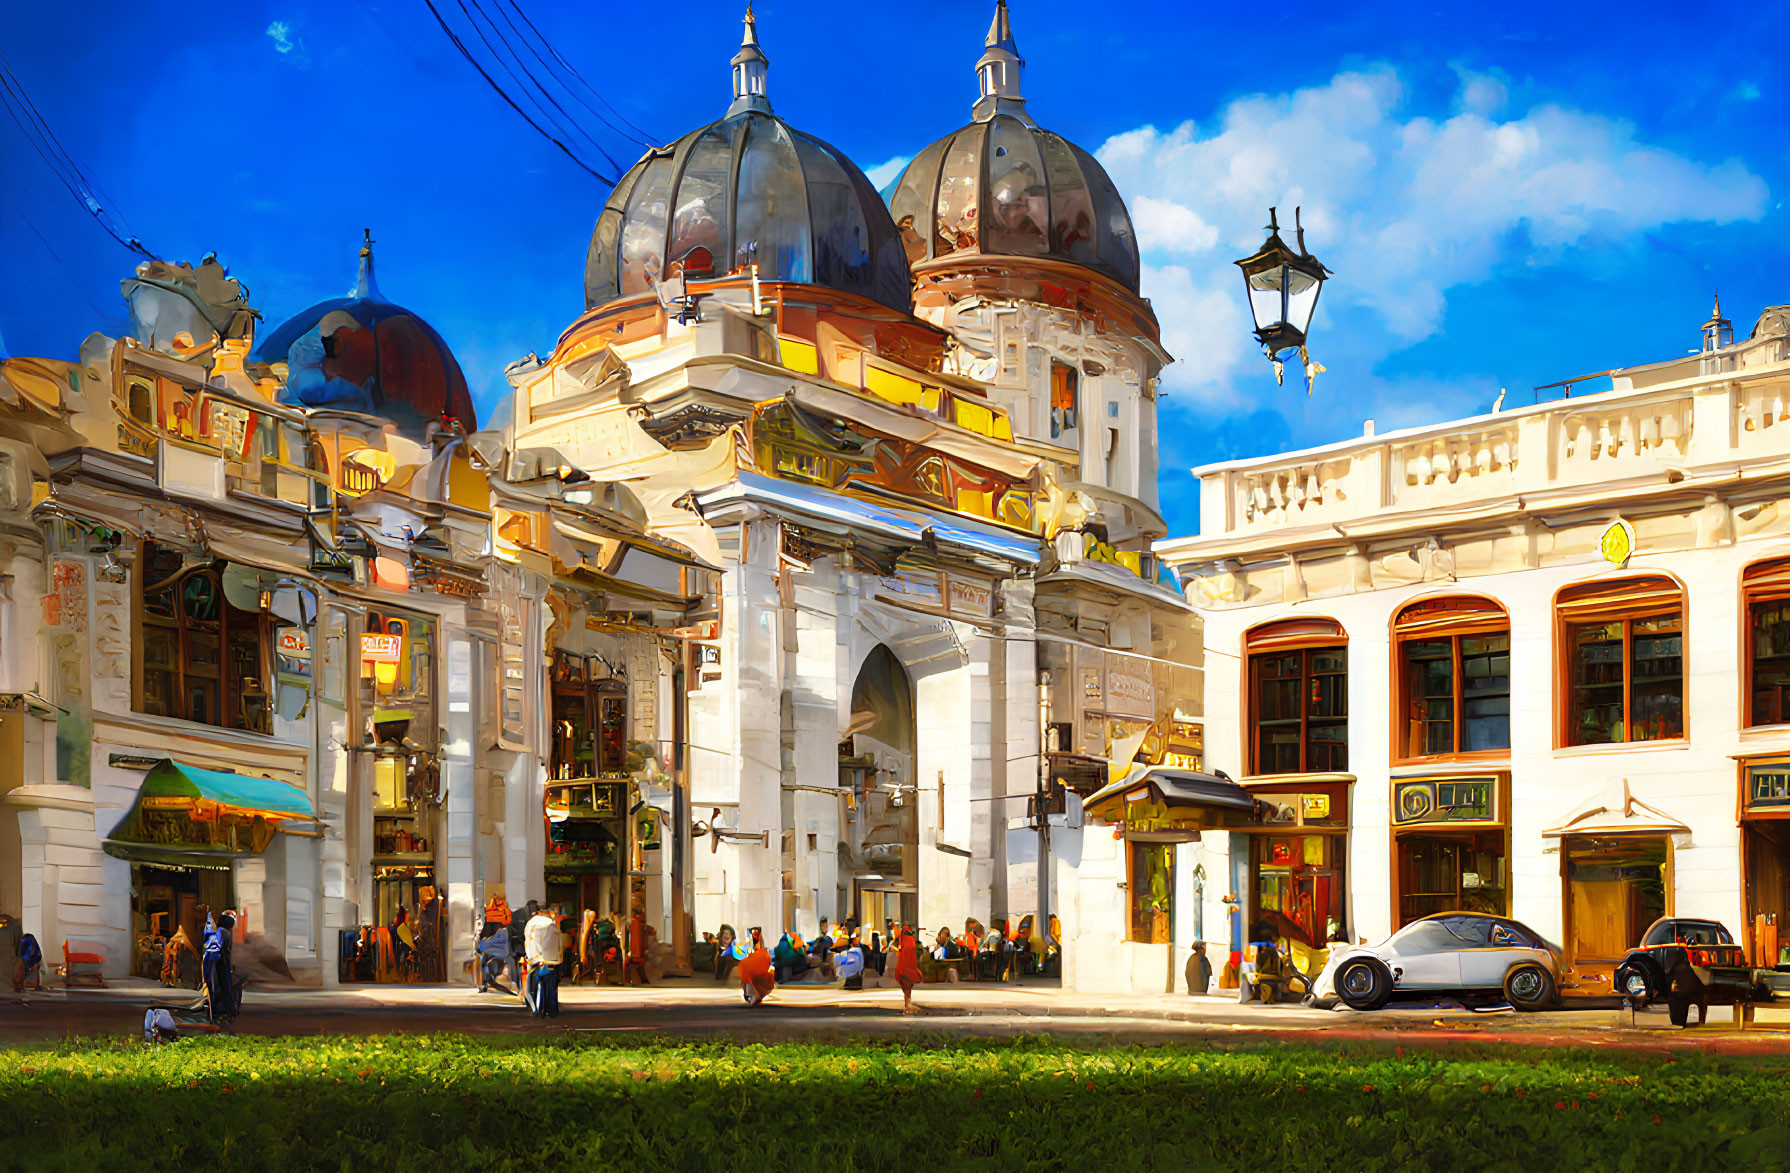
{"x":997,"y":73}
{"x":364,"y":287}
{"x":749,"y":67}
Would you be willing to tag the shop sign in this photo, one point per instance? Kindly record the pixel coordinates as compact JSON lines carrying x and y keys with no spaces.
{"x":1617,"y":544}
{"x":1129,"y":687}
{"x":377,"y":648}
{"x":914,"y":589}
{"x":1445,"y":800}
{"x":295,"y":643}
{"x":1308,"y":809}
{"x":1768,"y":787}
{"x":1186,"y":749}
{"x":969,"y":598}
{"x":1091,"y":689}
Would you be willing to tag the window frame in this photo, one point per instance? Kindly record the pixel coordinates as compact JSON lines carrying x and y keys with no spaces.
{"x":1625,"y":600}
{"x":1487,"y":618}
{"x":1307,"y":637}
{"x":226,"y":683}
{"x":1761,"y":584}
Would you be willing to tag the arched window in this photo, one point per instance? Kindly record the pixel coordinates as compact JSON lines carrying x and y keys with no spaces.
{"x":1767,"y":590}
{"x":1298,"y":694}
{"x":200,"y":657}
{"x":1452,"y":672}
{"x":1622,"y":653}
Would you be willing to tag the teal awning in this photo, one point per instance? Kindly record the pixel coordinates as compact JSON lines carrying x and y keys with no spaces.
{"x":243,"y":792}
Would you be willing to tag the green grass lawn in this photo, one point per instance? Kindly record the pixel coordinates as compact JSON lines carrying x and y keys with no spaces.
{"x":446,"y":1102}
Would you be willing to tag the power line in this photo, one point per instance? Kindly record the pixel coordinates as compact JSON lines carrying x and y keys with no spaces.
{"x":511,"y":102}
{"x":32,"y":124}
{"x":525,"y":80}
{"x":632,"y":132}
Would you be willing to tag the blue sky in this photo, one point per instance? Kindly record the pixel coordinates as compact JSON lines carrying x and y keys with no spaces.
{"x":1509,"y":194}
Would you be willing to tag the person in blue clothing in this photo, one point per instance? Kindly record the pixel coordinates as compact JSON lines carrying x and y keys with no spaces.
{"x":27,"y":965}
{"x":494,"y":957}
{"x":220,"y":980}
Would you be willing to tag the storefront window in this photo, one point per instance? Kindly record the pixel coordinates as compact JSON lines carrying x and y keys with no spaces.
{"x":590,"y":720}
{"x":1297,"y":885}
{"x":1454,"y":668}
{"x":1765,"y":852}
{"x":397,"y":677}
{"x":201,"y":658}
{"x":1767,"y":587}
{"x":1151,"y":883}
{"x":1623,"y":645}
{"x":1450,"y":849}
{"x":1298,"y":683}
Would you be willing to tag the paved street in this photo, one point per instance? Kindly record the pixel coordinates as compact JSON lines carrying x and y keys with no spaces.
{"x":700,"y":1007}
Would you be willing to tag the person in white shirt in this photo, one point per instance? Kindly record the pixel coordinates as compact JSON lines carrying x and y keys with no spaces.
{"x":544,"y":947}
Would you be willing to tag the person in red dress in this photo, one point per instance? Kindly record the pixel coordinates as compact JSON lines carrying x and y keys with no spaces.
{"x":907,"y":969}
{"x":756,"y":979}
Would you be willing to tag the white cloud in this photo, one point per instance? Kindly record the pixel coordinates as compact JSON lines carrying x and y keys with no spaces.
{"x":1403,"y":207}
{"x":1167,"y":227}
{"x":287,"y":43}
{"x":885,"y":173}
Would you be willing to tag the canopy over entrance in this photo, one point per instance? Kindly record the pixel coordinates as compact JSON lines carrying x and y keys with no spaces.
{"x":1618,"y":812}
{"x":1168,"y":804}
{"x":192,"y":817}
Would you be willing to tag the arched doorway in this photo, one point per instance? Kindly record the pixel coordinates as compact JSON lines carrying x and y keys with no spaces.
{"x":879,"y":843}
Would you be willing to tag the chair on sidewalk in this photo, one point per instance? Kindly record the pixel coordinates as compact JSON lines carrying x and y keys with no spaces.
{"x":92,"y":961}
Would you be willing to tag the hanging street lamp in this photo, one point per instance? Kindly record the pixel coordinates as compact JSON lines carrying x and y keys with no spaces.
{"x":1283,"y":288}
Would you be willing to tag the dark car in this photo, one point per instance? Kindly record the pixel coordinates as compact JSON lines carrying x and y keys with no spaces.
{"x":1684,"y":963}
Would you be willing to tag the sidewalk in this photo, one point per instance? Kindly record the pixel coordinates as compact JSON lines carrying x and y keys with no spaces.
{"x":674,"y":1002}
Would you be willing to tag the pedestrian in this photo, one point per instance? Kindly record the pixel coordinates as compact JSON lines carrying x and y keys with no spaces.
{"x":756,"y":979}
{"x":728,"y":952}
{"x":220,"y":984}
{"x":27,"y":965}
{"x":789,"y":961}
{"x":494,"y":955}
{"x":518,"y":928}
{"x":907,"y":969}
{"x":635,"y":966}
{"x":545,"y":947}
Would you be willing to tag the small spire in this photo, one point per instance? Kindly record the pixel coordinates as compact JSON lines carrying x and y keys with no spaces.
{"x":1716,"y":313}
{"x":1718,"y":332}
{"x":998,"y":70}
{"x":749,"y":68}
{"x":364,"y":287}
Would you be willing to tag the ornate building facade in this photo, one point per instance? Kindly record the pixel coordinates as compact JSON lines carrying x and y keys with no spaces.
{"x":809,"y":577}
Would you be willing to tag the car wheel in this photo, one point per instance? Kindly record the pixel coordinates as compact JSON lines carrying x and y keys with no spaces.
{"x":1631,"y":982}
{"x":1529,"y":987}
{"x":1364,"y":983}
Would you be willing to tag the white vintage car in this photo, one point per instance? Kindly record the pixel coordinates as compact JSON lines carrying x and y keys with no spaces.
{"x":1469,"y":954}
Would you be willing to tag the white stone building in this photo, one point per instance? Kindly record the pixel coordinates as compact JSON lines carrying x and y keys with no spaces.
{"x":1529,"y":662}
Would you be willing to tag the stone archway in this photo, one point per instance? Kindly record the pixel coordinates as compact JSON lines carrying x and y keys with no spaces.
{"x":879,"y":841}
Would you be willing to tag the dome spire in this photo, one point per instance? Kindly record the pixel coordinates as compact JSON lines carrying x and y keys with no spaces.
{"x":749,"y":67}
{"x":998,"y":70}
{"x":364,"y":287}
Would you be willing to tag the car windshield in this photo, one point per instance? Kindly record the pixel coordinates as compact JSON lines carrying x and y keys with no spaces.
{"x":1702,"y":933}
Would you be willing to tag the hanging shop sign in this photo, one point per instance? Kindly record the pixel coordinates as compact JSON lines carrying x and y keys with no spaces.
{"x":1186,"y":747}
{"x":1130,"y":686}
{"x":914,"y":589}
{"x":973,"y":600}
{"x":378,"y":648}
{"x":1311,"y":808}
{"x":647,"y":829}
{"x":1768,"y":788}
{"x":445,"y":580}
{"x":1445,"y":800}
{"x":1617,"y":545}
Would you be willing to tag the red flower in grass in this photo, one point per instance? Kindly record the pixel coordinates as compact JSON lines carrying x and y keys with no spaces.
{"x":1560,"y":1104}
{"x":978,"y":1094}
{"x":1367,"y":1087}
{"x":1301,"y":1089}
{"x":1090,"y":1085}
{"x":1575,"y":1105}
{"x":1656,"y":1119}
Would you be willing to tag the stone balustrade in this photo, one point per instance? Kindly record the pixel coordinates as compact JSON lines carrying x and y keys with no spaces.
{"x":1668,"y":430}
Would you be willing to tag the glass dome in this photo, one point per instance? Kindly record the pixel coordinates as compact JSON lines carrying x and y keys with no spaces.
{"x":1008,"y":188}
{"x":362,"y":353}
{"x":1003,"y":186}
{"x":747,"y":189}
